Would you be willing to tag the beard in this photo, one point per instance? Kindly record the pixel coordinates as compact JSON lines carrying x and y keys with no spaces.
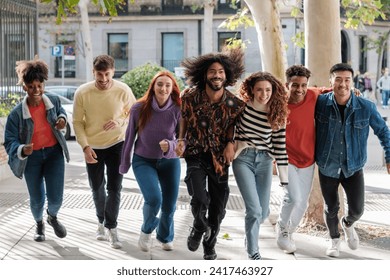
{"x":213,"y":86}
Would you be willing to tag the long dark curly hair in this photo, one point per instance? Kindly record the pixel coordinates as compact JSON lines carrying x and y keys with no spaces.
{"x":31,"y":70}
{"x":146,"y":100}
{"x":278,"y":111}
{"x":231,"y":60}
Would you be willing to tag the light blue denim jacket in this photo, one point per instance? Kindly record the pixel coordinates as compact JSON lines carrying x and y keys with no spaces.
{"x":19,"y":131}
{"x":360,"y":115}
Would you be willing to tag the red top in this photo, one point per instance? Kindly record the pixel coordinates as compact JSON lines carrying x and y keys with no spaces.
{"x":43,"y":136}
{"x":300,"y":130}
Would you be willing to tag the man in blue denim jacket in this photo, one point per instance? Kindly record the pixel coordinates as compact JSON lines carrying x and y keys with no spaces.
{"x":343,"y":121}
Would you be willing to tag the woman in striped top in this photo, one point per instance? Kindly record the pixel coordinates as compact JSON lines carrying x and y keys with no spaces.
{"x":260,"y":139}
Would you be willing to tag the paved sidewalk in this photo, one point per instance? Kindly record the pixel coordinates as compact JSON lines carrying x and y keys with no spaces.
{"x":77,"y":214}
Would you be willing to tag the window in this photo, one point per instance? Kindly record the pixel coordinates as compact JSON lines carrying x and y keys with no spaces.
{"x":384,"y":56}
{"x":118,"y":48}
{"x":363,"y":54}
{"x":225,"y":37}
{"x":15,"y":49}
{"x":69,"y":56}
{"x":172,"y":50}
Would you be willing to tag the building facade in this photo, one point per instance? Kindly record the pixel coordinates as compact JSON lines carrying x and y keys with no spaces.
{"x":166,"y":31}
{"x":18,"y":38}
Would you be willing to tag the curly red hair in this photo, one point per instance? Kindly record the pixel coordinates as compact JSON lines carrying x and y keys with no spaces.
{"x":278,"y":111}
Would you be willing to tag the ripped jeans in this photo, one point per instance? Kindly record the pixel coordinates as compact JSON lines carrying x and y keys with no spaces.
{"x":209,"y":192}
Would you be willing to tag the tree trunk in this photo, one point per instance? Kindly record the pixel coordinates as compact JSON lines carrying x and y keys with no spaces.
{"x":87,"y":44}
{"x":208,"y":26}
{"x":266,"y":16}
{"x":322,"y":51}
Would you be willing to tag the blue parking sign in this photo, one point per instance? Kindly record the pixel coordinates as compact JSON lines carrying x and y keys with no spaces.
{"x":57,"y":50}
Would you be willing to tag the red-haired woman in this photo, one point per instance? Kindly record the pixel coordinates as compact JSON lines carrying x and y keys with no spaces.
{"x":152,"y":128}
{"x":259,"y":140}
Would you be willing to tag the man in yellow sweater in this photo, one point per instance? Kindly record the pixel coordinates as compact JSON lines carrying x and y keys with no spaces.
{"x":100,"y":116}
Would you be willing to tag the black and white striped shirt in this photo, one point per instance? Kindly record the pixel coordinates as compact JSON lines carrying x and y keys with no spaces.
{"x":254,"y":130}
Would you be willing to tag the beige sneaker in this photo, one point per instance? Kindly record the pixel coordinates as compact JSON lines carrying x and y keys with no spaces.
{"x":100,"y":232}
{"x":145,"y":241}
{"x":113,"y":238}
{"x":167,"y":246}
{"x":284,"y":239}
{"x":350,"y":235}
{"x":334,"y":249}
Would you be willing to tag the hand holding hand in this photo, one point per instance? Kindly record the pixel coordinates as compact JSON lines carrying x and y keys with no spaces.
{"x":180,"y":147}
{"x":228,"y":153}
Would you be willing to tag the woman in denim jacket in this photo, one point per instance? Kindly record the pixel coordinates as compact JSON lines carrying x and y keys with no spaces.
{"x":36,"y":146}
{"x":343,"y":121}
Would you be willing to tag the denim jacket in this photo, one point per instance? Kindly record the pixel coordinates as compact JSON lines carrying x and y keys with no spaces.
{"x":360,"y":115}
{"x":19,"y":131}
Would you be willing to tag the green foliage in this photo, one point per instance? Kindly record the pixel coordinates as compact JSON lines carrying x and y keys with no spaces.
{"x":139,"y":78}
{"x":65,"y":7}
{"x":241,"y":18}
{"x":299,"y":39}
{"x":362,"y":12}
{"x":6,"y":105}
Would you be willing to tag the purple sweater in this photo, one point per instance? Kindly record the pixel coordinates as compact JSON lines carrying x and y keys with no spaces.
{"x":161,"y":126}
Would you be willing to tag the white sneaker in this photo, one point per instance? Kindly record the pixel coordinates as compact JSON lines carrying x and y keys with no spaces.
{"x":113,"y":238}
{"x":284,"y":239}
{"x":145,"y":241}
{"x":334,"y":249}
{"x":167,"y":246}
{"x":350,"y":234}
{"x":100,"y":234}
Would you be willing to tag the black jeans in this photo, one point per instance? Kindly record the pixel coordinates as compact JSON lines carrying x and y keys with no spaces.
{"x":209,"y":191}
{"x":354,"y":190}
{"x":107,"y":204}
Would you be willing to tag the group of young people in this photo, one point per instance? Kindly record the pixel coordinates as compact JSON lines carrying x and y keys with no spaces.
{"x":265,"y":123}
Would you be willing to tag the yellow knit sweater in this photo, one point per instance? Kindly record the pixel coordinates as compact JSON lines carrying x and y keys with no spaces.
{"x":93,"y":108}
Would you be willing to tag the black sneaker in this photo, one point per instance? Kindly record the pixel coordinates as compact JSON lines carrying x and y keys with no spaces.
{"x":39,"y":235}
{"x":59,"y":229}
{"x":209,"y":253}
{"x":193,"y":240}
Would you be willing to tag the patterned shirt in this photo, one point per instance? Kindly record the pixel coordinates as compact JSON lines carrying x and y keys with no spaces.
{"x":208,"y":123}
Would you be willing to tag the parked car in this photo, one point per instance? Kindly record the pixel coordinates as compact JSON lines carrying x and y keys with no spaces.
{"x":67,"y":104}
{"x":65,"y":91}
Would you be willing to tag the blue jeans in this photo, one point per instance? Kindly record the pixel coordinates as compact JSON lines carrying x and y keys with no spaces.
{"x":354,"y":190}
{"x":253,"y":172}
{"x":159,"y":181}
{"x":385,"y":97}
{"x":45,"y":164}
{"x":107,"y":204}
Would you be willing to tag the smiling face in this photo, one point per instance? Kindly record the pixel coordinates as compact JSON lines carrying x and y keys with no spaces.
{"x":34,"y":92}
{"x":297,"y":88}
{"x":162,"y":89}
{"x":341,"y":82}
{"x":262,"y":91}
{"x":215,"y":77}
{"x":103,"y":78}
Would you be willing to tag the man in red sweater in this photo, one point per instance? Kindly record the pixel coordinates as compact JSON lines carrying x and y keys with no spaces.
{"x":300,"y":142}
